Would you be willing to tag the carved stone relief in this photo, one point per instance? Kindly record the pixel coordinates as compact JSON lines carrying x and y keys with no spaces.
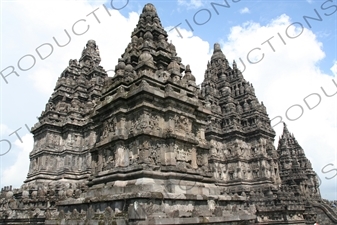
{"x":109,"y":128}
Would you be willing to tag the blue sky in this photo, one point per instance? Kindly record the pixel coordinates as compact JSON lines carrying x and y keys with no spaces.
{"x":283,"y":78}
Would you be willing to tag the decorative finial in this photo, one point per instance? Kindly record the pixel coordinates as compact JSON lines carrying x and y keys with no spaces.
{"x":148,"y":8}
{"x":91,"y":44}
{"x":217,"y":47}
{"x":234,"y":65}
{"x":217,"y":54}
{"x":90,"y":54}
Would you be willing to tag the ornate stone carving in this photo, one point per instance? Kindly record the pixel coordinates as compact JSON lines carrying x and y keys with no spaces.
{"x":109,"y":128}
{"x":182,"y":124}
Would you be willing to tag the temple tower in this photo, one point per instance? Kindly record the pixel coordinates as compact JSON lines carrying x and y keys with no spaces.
{"x":151,"y":119}
{"x":239,"y":131}
{"x":296,"y":171}
{"x":64,"y":135}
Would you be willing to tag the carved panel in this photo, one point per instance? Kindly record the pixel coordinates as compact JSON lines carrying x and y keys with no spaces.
{"x":109,"y":128}
{"x":182,"y":124}
{"x":108,"y":160}
{"x":55,"y":140}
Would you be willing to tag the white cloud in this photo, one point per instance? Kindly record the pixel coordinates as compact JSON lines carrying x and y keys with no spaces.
{"x":4,"y":130}
{"x":44,"y":80}
{"x":334,"y":68}
{"x":16,"y":173}
{"x":190,"y":3}
{"x":284,"y":78}
{"x":244,"y":10}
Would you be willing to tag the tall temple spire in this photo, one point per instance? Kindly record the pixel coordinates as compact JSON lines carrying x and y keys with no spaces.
{"x":286,"y":133}
{"x":295,"y":168}
{"x":76,"y":93}
{"x":150,"y":39}
{"x":226,"y":87}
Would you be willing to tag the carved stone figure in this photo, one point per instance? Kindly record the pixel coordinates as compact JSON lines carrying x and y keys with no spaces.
{"x":109,"y":127}
{"x":182,"y":124}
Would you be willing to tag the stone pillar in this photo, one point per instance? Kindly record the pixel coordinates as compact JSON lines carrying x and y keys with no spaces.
{"x":100,"y":162}
{"x":121,"y":128}
{"x":170,"y":155}
{"x":194,"y":158}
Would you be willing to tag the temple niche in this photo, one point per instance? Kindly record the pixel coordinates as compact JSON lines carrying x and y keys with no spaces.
{"x":149,"y":146}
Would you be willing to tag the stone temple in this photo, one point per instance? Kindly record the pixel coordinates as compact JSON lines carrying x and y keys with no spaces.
{"x":149,"y":146}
